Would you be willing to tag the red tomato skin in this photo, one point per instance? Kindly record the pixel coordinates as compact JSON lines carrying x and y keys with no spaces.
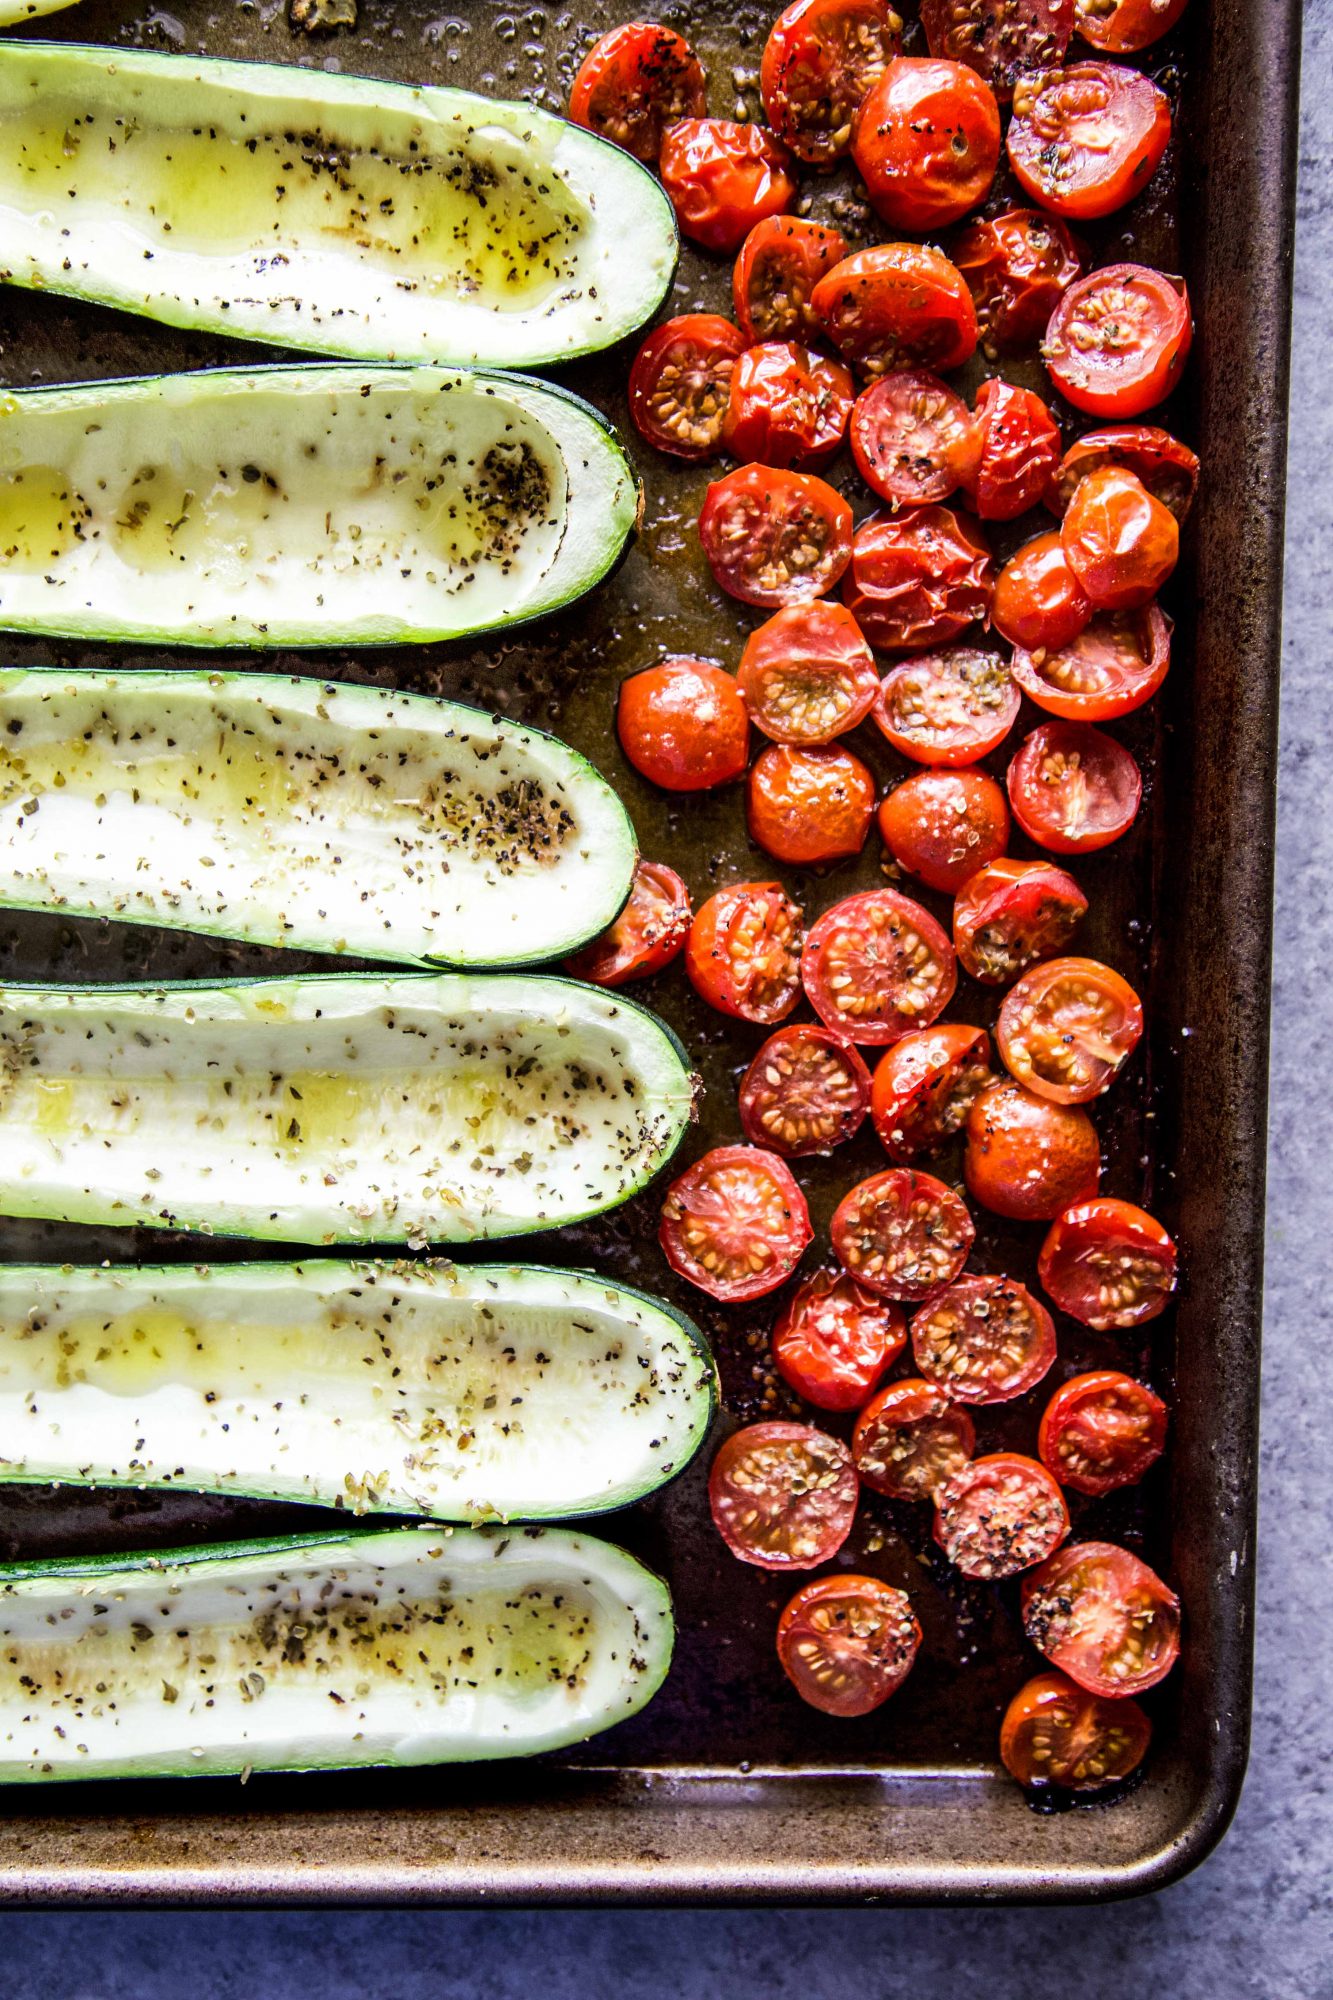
{"x":892,"y":1644}
{"x":747,"y":912}
{"x":1027,"y":1158}
{"x":1038,"y":601}
{"x":1056,"y":1698}
{"x":787,"y":1054}
{"x":1017,"y":267}
{"x":1096,"y":1226}
{"x":767,"y":504}
{"x":1168,"y":468}
{"x":944,"y":1339}
{"x":1000,"y":39}
{"x":949,"y":707}
{"x":1091,"y":363}
{"x":908,"y":1402}
{"x":816,"y":646}
{"x":1127,"y":121}
{"x":878,"y":1205}
{"x":723,"y":177}
{"x":942,"y":825}
{"x":788,"y":405}
{"x":886,"y":923}
{"x":1019,"y":451}
{"x":780,"y":263}
{"x":786,"y":1249}
{"x":912,"y":439}
{"x":647,"y":935}
{"x":820,"y":59}
{"x":1126,"y":26}
{"x":836,"y":1502}
{"x":896,"y":306}
{"x":1121,"y":544}
{"x":1048,"y":1598}
{"x":923,"y":1087}
{"x":1074,"y":680}
{"x":834,"y":1340}
{"x":1023,"y":896}
{"x":683,"y":725}
{"x":926,"y":142}
{"x":917,"y":579}
{"x":689,"y":357}
{"x":1102,"y":1386}
{"x":1048,"y":1522}
{"x":633,"y":82}
{"x":806,"y":807}
{"x":1025,"y":1007}
{"x":1060,"y":746}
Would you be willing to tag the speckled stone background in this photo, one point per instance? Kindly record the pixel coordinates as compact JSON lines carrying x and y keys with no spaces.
{"x":1255,"y":1918}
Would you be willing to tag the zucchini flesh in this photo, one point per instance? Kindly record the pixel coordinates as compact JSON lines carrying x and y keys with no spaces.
{"x":337,"y":214}
{"x":12,"y":11}
{"x":330,"y":817}
{"x":423,"y":1108}
{"x":416,"y":1646}
{"x":313,"y":506}
{"x":461,"y":1394}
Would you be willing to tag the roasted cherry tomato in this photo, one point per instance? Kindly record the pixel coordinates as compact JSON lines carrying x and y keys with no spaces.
{"x":1118,"y":339}
{"x":783,"y":1496}
{"x":1016,"y":266}
{"x":724,"y":177}
{"x":1123,"y":27}
{"x":788,"y":405}
{"x":984,"y":1340}
{"x":743,"y":953}
{"x":1018,"y":452}
{"x":1000,"y":39}
{"x":1028,"y":1158}
{"x":1038,"y":601}
{"x":949,"y":707}
{"x":835,"y":1339}
{"x":917,"y":578}
{"x":775,"y":537}
{"x":808,"y":806}
{"x":1067,"y":1028}
{"x":735,"y":1223}
{"x":846,"y":1643}
{"x":1121,"y":544}
{"x":1012,"y":913}
{"x":1072,"y":788}
{"x":1101,"y":1431}
{"x":680,"y":382}
{"x":807,"y":674}
{"x":1116,"y":663}
{"x":1108,"y":1264}
{"x":1103,"y":1617}
{"x":902,"y":1233}
{"x":910,"y":1440}
{"x":926,"y":142}
{"x":1055,"y":1733}
{"x":913,"y":440}
{"x":805,"y":1092}
{"x":999,"y":1515}
{"x":1084,"y":140}
{"x":897,"y":305}
{"x":683,"y":725}
{"x":925,"y":1085}
{"x":820,"y":59}
{"x":877,"y":965}
{"x":943,"y":825}
{"x":647,"y":934}
{"x":635,"y":82}
{"x":1169,"y":469}
{"x":781,"y":261}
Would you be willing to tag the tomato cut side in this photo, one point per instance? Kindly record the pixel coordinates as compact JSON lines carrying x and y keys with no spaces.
{"x":680,"y":382}
{"x":1123,"y":27}
{"x":943,"y":825}
{"x":1169,"y":469}
{"x":683,"y":725}
{"x":999,"y":1515}
{"x":917,"y":579}
{"x":1118,"y":339}
{"x":806,"y":1091}
{"x":1084,"y":140}
{"x":636,"y":81}
{"x":902,"y":1234}
{"x":774,"y":537}
{"x":1017,"y":267}
{"x":649,"y":932}
{"x":807,"y":674}
{"x":1103,"y":1617}
{"x":984,"y":1340}
{"x":1102,"y":1431}
{"x":722,"y":177}
{"x":895,"y":306}
{"x":1018,"y":451}
{"x":913,"y":440}
{"x":949,"y":707}
{"x":1109,"y":1264}
{"x":1038,"y":604}
{"x":1001,"y":39}
{"x":743,"y":953}
{"x":788,"y":405}
{"x":925,"y":1085}
{"x":1028,"y":1158}
{"x":805,"y":807}
{"x":735,"y":1223}
{"x":910,"y":1440}
{"x":1055,"y":1733}
{"x":1115,"y":663}
{"x":876,"y":965}
{"x":846,"y":1643}
{"x":780,"y":263}
{"x":783,"y":1496}
{"x":835,"y":1339}
{"x":1012,"y":913}
{"x":926,"y":142}
{"x":820,"y":59}
{"x":1067,"y":1028}
{"x":1072,"y":788}
{"x":1121,"y":544}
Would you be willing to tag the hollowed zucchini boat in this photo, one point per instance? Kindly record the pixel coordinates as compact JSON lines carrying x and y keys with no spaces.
{"x":417,"y":1109}
{"x":338,"y":214}
{"x":491,"y":1391}
{"x":306,"y":506}
{"x":322,"y":815}
{"x":416,"y":1646}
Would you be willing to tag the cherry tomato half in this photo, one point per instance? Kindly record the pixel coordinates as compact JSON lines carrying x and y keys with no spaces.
{"x":743,"y":953}
{"x":949,"y":707}
{"x":1018,"y":451}
{"x":683,"y":725}
{"x":806,"y":1091}
{"x":1103,"y":1617}
{"x":1118,"y":340}
{"x":723,"y":177}
{"x":876,"y":965}
{"x":775,"y":537}
{"x":1072,"y":788}
{"x":1121,"y":544}
{"x":1123,"y":27}
{"x":635,"y":82}
{"x":820,"y":59}
{"x":913,"y":440}
{"x":1084,"y":140}
{"x":835,"y":1339}
{"x":1116,"y":663}
{"x":1108,"y":1264}
{"x":1017,"y":266}
{"x":897,"y":305}
{"x":1000,"y":39}
{"x":783,"y":1496}
{"x":910,"y":1440}
{"x":735,"y":1223}
{"x":809,"y":806}
{"x":917,"y":578}
{"x":926,"y":141}
{"x":807,"y":674}
{"x":901,"y":1233}
{"x":1038,"y":601}
{"x":943,"y":825}
{"x":999,"y":1515}
{"x":781,"y":261}
{"x":925,"y":1086}
{"x":1169,"y":469}
{"x":846,"y":1643}
{"x":647,"y":935}
{"x":788,"y":405}
{"x":1055,"y":1733}
{"x":1028,"y":1158}
{"x":680,"y":382}
{"x":984,"y":1340}
{"x":1067,"y":1028}
{"x":1102,"y":1431}
{"x":1012,"y":913}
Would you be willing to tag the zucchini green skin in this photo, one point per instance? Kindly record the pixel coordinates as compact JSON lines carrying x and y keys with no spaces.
{"x":316,"y":505}
{"x":485,"y":1392}
{"x":414,"y":223}
{"x":321,"y":815}
{"x":283,"y":1109}
{"x":280,"y":1655}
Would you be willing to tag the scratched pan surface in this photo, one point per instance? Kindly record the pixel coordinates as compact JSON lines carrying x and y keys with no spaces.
{"x":727,"y":1787}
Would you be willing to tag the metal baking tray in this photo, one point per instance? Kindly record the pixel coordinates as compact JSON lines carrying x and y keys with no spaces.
{"x":727,"y":1789}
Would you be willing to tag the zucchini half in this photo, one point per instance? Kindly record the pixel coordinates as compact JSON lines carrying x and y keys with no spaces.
{"x":491,"y":1391}
{"x":12,"y":11}
{"x":336,"y":214}
{"x":344,"y":1109}
{"x":323,"y":815}
{"x":416,"y":1646}
{"x":307,"y":506}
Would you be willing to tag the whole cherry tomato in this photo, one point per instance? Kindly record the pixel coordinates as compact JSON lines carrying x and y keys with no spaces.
{"x":735,"y":1223}
{"x":913,"y":440}
{"x":1118,"y":339}
{"x":835,"y":1339}
{"x":680,"y":382}
{"x":1055,"y":1733}
{"x":943,"y":825}
{"x":807,"y":675}
{"x":1104,"y":1617}
{"x":1017,"y":266}
{"x":808,"y":806}
{"x":1102,"y":1431}
{"x":1012,"y":913}
{"x":775,"y":537}
{"x":783,"y":1496}
{"x":846,"y":1643}
{"x":1116,"y":663}
{"x":876,"y":965}
{"x":926,"y":1084}
{"x":1168,"y":468}
{"x":1121,"y":544}
{"x":1073,"y":788}
{"x":647,"y":935}
{"x":999,"y":1515}
{"x":635,"y":82}
{"x":820,"y":59}
{"x":897,"y":305}
{"x":917,"y":578}
{"x":806,"y":1091}
{"x":743,"y":953}
{"x":1039,"y":602}
{"x":1067,"y":1028}
{"x":985,"y":1340}
{"x":1123,"y":27}
{"x":1018,"y":451}
{"x":902,"y":1233}
{"x":724,"y":177}
{"x":788,"y":405}
{"x":926,"y":141}
{"x":781,"y":261}
{"x":1028,"y":1158}
{"x":1084,"y":140}
{"x":683,"y":725}
{"x":910,"y":1440}
{"x":1108,"y":1264}
{"x":1000,"y":39}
